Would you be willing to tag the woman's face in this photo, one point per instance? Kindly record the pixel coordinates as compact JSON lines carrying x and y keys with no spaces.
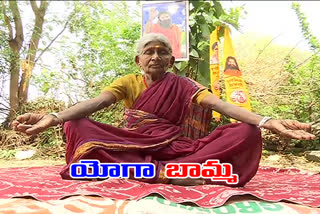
{"x":155,"y":58}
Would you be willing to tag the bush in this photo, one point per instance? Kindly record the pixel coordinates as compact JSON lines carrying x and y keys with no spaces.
{"x":48,"y":143}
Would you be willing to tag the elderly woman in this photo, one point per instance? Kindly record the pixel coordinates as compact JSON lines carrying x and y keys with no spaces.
{"x":157,"y":105}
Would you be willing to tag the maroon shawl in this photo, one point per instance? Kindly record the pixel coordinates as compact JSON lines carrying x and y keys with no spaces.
{"x":152,"y":123}
{"x":154,"y":135}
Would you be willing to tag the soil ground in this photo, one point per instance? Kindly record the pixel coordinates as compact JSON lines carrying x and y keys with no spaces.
{"x":273,"y":159}
{"x":289,"y":160}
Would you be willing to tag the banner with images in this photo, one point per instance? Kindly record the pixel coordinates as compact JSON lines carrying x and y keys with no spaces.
{"x":169,"y":18}
{"x":236,"y":88}
{"x":215,"y":68}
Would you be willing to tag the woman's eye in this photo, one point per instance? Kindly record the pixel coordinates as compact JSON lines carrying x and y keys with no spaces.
{"x":163,"y":52}
{"x":147,"y":52}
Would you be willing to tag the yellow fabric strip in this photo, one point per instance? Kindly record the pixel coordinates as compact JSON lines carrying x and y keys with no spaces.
{"x":236,"y":88}
{"x":214,"y":68}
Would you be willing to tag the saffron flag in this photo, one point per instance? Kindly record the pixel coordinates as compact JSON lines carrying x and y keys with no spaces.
{"x":236,"y":88}
{"x":214,"y":68}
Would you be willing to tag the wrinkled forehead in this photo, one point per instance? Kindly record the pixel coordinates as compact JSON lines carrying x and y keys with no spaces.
{"x":152,"y":39}
{"x":155,"y":45}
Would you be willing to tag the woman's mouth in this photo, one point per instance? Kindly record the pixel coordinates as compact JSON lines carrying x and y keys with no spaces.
{"x":155,"y":66}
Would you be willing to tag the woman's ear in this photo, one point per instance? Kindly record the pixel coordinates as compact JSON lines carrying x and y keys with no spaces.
{"x":137,"y":61}
{"x":172,"y":60}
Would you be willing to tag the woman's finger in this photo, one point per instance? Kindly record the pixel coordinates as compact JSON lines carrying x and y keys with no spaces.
{"x":14,"y":125}
{"x":303,"y":126}
{"x":23,"y":127}
{"x":298,"y":134}
{"x":35,"y":130}
{"x":23,"y":118}
{"x":29,"y":118}
{"x":40,"y":126}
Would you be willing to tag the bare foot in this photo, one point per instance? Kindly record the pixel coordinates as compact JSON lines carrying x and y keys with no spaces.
{"x":188,"y":182}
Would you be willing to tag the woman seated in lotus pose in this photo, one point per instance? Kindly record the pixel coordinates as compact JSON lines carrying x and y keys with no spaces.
{"x":157,"y":103}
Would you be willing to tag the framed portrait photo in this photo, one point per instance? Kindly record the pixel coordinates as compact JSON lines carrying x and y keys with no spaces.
{"x":169,"y":18}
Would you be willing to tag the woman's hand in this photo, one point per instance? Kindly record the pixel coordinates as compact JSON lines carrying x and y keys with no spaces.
{"x":290,"y":129}
{"x":32,"y":124}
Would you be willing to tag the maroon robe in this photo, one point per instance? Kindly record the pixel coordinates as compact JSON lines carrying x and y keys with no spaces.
{"x":154,"y":135}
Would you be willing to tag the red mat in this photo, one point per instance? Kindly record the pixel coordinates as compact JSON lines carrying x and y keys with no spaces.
{"x":269,"y":184}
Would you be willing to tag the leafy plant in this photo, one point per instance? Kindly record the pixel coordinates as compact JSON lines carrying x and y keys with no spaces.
{"x":298,"y":92}
{"x":7,"y":154}
{"x":205,"y":16}
{"x":107,"y":32}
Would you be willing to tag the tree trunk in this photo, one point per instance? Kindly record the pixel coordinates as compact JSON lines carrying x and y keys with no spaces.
{"x":26,"y":68}
{"x":14,"y":83}
{"x":28,"y":64}
{"x":15,"y":44}
{"x":19,"y":90}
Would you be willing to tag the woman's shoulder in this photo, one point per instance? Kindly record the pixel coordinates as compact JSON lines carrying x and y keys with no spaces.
{"x":132,"y":78}
{"x":189,"y":80}
{"x":186,"y":81}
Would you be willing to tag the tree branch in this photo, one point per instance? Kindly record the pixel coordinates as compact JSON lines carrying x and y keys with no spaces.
{"x":34,"y":6}
{"x":6,"y":18}
{"x":292,"y":49}
{"x":281,"y":61}
{"x":288,"y":55}
{"x":260,"y":52}
{"x":52,"y":41}
{"x":44,"y":5}
{"x":18,"y":22}
{"x":37,"y":30}
{"x":56,"y":37}
{"x":28,"y":64}
{"x":304,"y":61}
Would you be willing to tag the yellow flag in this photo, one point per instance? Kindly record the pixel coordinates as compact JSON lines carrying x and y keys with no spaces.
{"x":214,"y":68}
{"x":236,"y":88}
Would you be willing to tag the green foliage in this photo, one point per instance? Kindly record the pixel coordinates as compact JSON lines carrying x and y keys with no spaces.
{"x":50,"y":143}
{"x":282,"y":82}
{"x":103,"y":51}
{"x":112,"y":115}
{"x":7,"y":154}
{"x":302,"y":84}
{"x":301,"y":90}
{"x":295,"y":88}
{"x":107,"y":33}
{"x":312,"y":40}
{"x":4,"y":49}
{"x":5,"y":54}
{"x":44,"y":105}
{"x":48,"y":79}
{"x":205,"y":16}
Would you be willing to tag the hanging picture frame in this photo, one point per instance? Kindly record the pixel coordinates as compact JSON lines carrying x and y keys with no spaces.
{"x":170,"y":18}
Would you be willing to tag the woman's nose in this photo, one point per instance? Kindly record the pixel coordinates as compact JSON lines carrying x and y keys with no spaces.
{"x":155,"y":55}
